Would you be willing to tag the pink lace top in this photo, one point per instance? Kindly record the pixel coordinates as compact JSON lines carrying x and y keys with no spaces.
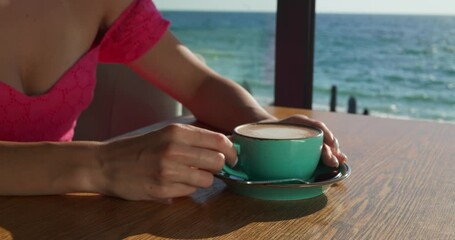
{"x":52,"y":116}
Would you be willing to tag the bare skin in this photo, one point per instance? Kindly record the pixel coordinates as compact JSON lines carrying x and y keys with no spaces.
{"x":41,"y":39}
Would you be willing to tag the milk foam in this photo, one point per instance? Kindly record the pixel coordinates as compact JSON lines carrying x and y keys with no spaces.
{"x":276,"y":131}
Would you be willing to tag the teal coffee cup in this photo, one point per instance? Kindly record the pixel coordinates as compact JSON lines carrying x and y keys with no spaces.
{"x":270,"y":151}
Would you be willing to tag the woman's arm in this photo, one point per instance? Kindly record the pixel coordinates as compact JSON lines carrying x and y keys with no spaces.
{"x":213,"y":99}
{"x":168,"y":163}
{"x":47,"y":168}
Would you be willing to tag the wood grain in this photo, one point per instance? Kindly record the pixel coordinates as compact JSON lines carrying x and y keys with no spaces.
{"x":402,"y":187}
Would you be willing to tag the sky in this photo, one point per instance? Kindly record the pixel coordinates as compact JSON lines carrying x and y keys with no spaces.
{"x":438,"y":7}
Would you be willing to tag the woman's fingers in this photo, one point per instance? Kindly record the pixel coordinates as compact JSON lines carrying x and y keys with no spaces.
{"x":337,"y":152}
{"x":188,"y":157}
{"x":195,"y":157}
{"x":171,"y":162}
{"x":176,"y":179}
{"x":302,"y":119}
{"x":203,"y":139}
{"x":332,"y":144}
{"x":328,"y":158}
{"x":193,"y":177}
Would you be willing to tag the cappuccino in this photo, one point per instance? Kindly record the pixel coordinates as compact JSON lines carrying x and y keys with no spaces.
{"x":276,"y":131}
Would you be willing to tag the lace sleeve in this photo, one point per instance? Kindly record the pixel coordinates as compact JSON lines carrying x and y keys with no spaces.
{"x":137,"y":29}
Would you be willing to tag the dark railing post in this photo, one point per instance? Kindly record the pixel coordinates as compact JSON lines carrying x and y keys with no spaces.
{"x":352,"y":105}
{"x":333,"y":99}
{"x":294,"y":53}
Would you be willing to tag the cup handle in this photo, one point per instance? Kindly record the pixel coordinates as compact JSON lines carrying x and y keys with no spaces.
{"x":234,"y":172}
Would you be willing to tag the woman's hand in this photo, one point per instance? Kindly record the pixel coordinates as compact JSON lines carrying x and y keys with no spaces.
{"x":331,"y":153}
{"x":168,"y":163}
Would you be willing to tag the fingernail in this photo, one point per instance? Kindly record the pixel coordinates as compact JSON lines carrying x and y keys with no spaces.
{"x":336,"y":145}
{"x":335,"y":161}
{"x":345,"y":158}
{"x":235,"y":162}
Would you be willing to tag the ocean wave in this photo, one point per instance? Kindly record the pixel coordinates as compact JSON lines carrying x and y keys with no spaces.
{"x":394,"y":78}
{"x":450,"y":71}
{"x":420,"y":51}
{"x":448,"y":49}
{"x":210,"y":53}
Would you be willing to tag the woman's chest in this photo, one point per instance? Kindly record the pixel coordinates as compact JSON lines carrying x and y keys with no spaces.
{"x":41,"y":39}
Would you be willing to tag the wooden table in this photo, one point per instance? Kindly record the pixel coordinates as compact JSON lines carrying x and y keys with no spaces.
{"x":402,"y":187}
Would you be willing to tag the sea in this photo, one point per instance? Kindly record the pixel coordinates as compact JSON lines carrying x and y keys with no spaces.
{"x":399,"y":66}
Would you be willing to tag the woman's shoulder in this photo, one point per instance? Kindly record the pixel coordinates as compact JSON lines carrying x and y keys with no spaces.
{"x":113,"y":9}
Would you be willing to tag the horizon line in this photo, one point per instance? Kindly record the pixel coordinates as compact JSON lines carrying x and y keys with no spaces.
{"x":317,"y":12}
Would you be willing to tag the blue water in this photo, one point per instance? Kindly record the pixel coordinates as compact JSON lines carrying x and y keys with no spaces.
{"x":397,"y":66}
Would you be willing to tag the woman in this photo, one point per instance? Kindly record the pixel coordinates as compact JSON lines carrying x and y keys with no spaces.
{"x":49,"y":51}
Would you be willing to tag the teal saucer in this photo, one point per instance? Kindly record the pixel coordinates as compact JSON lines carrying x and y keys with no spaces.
{"x":289,"y":191}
